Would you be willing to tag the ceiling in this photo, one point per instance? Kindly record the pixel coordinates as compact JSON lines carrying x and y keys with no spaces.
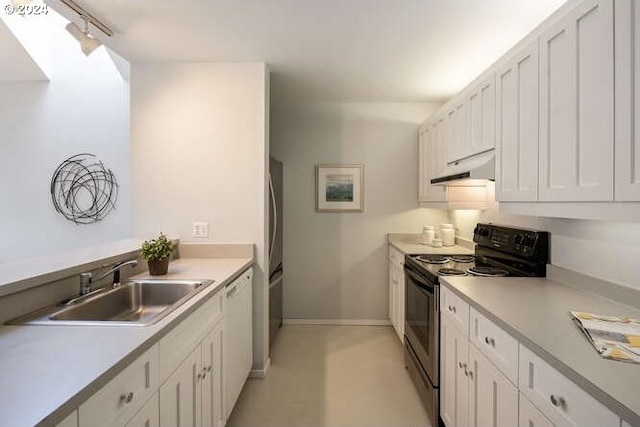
{"x":328,"y":50}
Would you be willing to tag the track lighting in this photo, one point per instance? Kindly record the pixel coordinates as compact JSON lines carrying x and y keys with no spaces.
{"x":87,"y":43}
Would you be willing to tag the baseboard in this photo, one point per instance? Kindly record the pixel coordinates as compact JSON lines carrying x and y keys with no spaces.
{"x":357,"y":322}
{"x":261,"y":373}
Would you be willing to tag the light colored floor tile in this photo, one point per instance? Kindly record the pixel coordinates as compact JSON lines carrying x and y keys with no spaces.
{"x":332,"y":376}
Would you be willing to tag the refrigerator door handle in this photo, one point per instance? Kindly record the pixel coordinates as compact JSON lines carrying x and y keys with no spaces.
{"x":275,"y":282}
{"x":275,"y":219}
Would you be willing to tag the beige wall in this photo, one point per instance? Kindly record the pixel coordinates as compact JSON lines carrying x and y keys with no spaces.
{"x":199,"y":152}
{"x":335,"y":264}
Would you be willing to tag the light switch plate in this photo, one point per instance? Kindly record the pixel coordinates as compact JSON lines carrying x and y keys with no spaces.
{"x":200,"y":229}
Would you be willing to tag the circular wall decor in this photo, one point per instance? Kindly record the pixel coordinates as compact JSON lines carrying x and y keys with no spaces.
{"x":83,"y":190}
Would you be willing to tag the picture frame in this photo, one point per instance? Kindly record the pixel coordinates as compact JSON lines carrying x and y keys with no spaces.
{"x":339,"y":188}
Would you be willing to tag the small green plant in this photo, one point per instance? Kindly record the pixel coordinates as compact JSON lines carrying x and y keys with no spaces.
{"x":156,"y":249}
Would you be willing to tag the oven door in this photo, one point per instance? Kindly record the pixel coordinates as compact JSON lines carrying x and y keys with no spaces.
{"x":422,"y":322}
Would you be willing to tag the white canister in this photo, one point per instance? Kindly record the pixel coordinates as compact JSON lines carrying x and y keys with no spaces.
{"x":447,"y":234}
{"x":436,"y":243}
{"x":428,"y":233}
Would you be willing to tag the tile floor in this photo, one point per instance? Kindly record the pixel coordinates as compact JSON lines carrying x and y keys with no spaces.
{"x":332,"y":376}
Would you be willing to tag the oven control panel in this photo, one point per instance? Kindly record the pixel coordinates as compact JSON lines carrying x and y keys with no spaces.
{"x":520,"y":242}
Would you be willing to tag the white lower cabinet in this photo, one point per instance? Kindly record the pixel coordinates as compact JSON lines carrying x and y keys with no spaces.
{"x":192,"y":395}
{"x":562,"y":401}
{"x":473,"y":391}
{"x":493,"y":399}
{"x":530,"y":416}
{"x":488,"y":379}
{"x":120,"y":399}
{"x":497,"y":345}
{"x":396,"y":291}
{"x":148,"y":416}
{"x":180,"y":395}
{"x":454,"y":388}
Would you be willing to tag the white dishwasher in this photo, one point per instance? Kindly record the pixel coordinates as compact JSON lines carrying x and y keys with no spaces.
{"x":238,"y":340}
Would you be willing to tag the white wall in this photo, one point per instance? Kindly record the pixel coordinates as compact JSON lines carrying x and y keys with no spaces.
{"x":335,"y":264}
{"x":83,"y":109}
{"x":199,"y":153}
{"x":604,"y":249}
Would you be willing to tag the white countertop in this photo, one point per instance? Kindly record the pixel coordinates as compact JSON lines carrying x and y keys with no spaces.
{"x":47,"y":371}
{"x":535,"y":312}
{"x":410,"y":244}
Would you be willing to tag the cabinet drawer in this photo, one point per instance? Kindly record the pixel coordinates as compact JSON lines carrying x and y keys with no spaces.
{"x":499,"y":347}
{"x":562,"y":401}
{"x":530,"y":416}
{"x":454,"y":308}
{"x":148,"y":416}
{"x":117,"y":402}
{"x":180,"y":342}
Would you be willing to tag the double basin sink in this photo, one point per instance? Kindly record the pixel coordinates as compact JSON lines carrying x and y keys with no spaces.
{"x":134,"y":303}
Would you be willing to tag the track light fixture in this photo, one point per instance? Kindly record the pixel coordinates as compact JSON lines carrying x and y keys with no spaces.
{"x":87,"y":43}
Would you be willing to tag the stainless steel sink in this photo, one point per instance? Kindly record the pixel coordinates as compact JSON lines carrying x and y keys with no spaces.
{"x":135,"y":303}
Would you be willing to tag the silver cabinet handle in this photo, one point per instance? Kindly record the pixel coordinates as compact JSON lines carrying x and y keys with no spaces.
{"x":126,"y":397}
{"x":558,"y":402}
{"x":471,"y":375}
{"x":490,"y":341}
{"x":209,"y":368}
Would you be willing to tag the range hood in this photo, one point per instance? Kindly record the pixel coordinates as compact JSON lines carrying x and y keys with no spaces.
{"x":471,"y":171}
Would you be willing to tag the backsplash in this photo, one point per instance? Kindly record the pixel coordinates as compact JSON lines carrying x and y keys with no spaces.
{"x":603,"y":249}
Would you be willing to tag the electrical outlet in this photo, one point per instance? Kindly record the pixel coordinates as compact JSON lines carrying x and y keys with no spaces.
{"x":200,"y":229}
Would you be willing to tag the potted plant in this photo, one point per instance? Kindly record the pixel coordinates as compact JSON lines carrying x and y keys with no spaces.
{"x":157,"y":252}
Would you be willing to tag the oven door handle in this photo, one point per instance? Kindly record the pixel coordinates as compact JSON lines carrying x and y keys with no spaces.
{"x":425,"y":286}
{"x":420,"y":281}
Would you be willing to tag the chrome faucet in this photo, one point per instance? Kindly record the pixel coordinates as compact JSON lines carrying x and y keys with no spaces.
{"x":87,"y":278}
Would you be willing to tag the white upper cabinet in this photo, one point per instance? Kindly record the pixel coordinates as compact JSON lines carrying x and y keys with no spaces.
{"x":481,"y":119}
{"x":627,"y":54}
{"x":472,"y":121}
{"x":456,"y":138}
{"x":431,"y":158}
{"x":517,"y":127}
{"x":576,"y":111}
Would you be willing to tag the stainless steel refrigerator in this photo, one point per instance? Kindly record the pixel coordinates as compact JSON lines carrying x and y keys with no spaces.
{"x":275,"y":248}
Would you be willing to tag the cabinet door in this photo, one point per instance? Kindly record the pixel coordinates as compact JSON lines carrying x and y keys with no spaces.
{"x":627,"y":54}
{"x":576,"y":95}
{"x":562,"y":401}
{"x":530,"y":416}
{"x":431,"y":163}
{"x":481,"y":120}
{"x":148,"y":416}
{"x":493,"y":399}
{"x":517,"y":127}
{"x":454,"y":396}
{"x":457,"y":135}
{"x":212,"y":391}
{"x":180,"y":395}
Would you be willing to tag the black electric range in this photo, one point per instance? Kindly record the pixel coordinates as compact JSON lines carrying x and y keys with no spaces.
{"x":499,"y":251}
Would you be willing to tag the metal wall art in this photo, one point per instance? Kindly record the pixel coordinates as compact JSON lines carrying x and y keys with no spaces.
{"x":83,"y":190}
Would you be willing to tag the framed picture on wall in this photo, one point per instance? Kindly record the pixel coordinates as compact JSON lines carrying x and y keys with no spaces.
{"x":339,"y":188}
